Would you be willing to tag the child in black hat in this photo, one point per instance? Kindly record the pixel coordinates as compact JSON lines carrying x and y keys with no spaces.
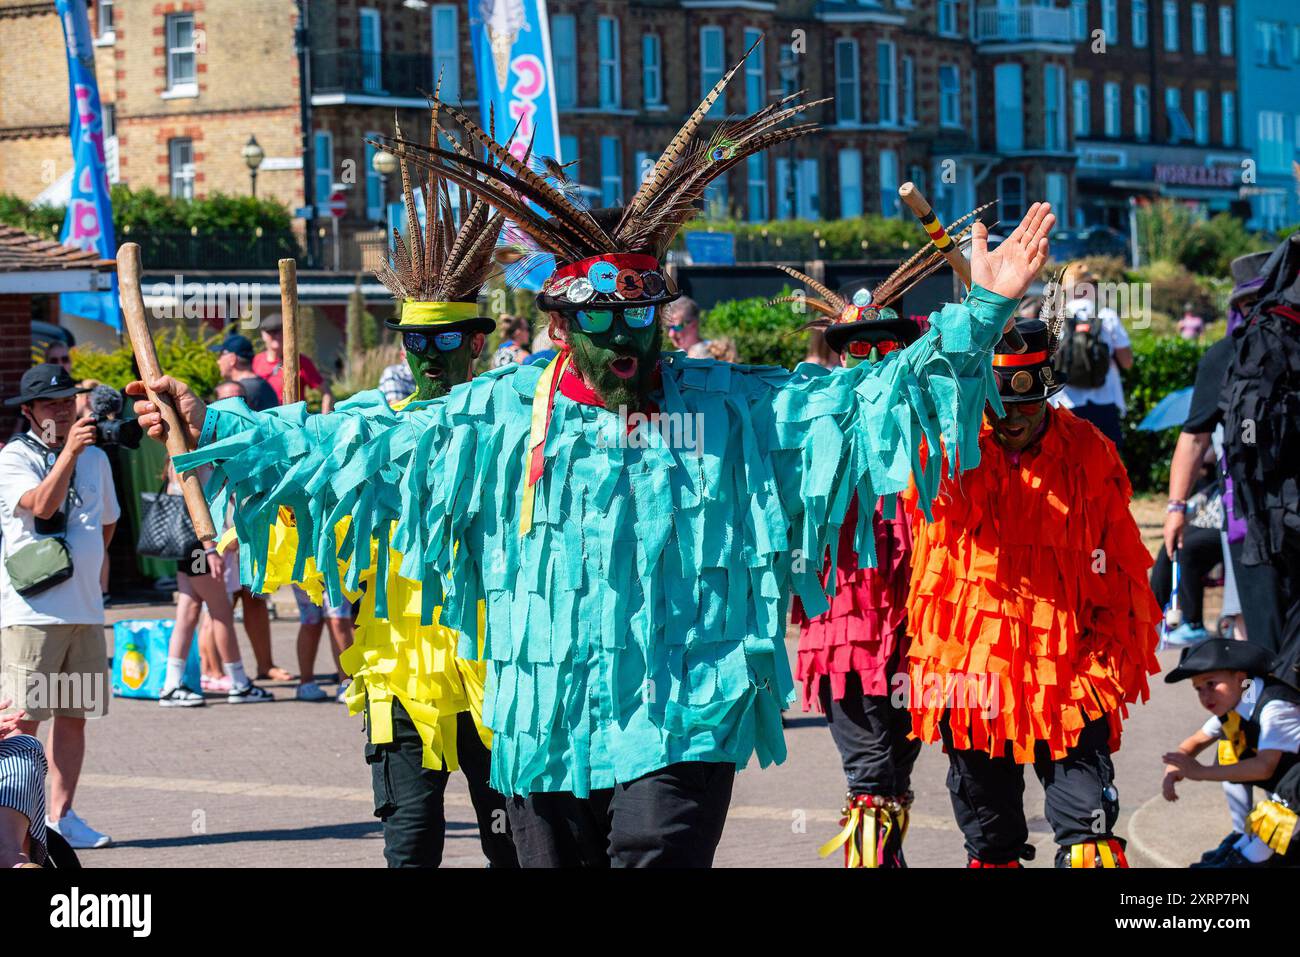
{"x":1255,"y":719}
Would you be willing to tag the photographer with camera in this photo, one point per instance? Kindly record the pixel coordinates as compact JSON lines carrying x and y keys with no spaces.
{"x":58,"y":509}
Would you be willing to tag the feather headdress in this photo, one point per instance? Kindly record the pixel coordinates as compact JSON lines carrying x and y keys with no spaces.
{"x":444,"y":262}
{"x":611,"y":257}
{"x":842,"y":320}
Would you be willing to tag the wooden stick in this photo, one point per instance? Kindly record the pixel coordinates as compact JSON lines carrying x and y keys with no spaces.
{"x":916,"y":202}
{"x":178,"y":434}
{"x":289,"y":313}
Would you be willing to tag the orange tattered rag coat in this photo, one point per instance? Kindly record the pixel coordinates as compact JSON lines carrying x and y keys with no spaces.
{"x":1029,"y":607}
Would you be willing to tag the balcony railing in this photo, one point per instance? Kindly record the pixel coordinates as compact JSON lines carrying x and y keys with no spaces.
{"x":212,"y":251}
{"x":371,"y":73}
{"x":1025,"y":23}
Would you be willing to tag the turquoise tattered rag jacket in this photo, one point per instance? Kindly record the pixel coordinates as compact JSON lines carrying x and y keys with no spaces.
{"x":640,"y":621}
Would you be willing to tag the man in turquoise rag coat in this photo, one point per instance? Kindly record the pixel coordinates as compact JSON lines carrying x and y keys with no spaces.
{"x":633,"y":522}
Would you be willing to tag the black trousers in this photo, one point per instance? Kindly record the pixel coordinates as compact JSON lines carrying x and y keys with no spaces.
{"x":1202,"y":550}
{"x":988,"y":797}
{"x":409,"y":796}
{"x":1258,"y":589}
{"x":672,"y":817}
{"x":871,"y":736}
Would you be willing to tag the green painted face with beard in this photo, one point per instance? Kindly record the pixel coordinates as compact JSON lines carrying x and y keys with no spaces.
{"x":619,"y":363}
{"x":436,"y":372}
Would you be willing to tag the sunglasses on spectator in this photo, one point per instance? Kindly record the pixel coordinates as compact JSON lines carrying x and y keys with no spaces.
{"x":422,"y":344}
{"x":599,"y":320}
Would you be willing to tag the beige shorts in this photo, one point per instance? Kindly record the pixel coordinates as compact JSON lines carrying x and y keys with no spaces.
{"x":55,"y":670}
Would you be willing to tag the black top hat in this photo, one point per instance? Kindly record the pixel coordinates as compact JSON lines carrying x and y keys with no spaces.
{"x":45,"y":381}
{"x":1027,"y":376}
{"x":608,"y":280}
{"x":871,"y":325}
{"x":1221,"y":654}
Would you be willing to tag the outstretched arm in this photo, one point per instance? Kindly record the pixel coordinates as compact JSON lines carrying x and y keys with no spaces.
{"x":861,"y":431}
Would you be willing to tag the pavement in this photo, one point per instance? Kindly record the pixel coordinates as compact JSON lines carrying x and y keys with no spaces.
{"x":285,"y":784}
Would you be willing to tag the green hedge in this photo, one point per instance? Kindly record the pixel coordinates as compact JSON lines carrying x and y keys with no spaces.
{"x":1161,"y":365}
{"x":184,"y":356}
{"x":764,"y":335}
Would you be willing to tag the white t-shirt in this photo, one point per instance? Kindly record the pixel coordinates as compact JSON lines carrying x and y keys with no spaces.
{"x":78,"y":600}
{"x":1114,"y":335}
{"x":1279,"y":722}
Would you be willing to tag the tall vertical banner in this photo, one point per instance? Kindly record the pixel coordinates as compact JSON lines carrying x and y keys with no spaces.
{"x":89,"y":221}
{"x":511,"y":40}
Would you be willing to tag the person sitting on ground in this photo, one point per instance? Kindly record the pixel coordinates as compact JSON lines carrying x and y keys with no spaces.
{"x":1255,"y":719}
{"x":201,"y":580}
{"x":515,"y":337}
{"x":235,"y":361}
{"x":22,"y":794}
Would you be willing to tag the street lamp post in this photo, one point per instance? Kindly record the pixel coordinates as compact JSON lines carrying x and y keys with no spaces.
{"x":385,"y":164}
{"x":253,"y":155}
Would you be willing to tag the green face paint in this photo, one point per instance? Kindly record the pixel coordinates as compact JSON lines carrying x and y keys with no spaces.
{"x":618,"y":363}
{"x":436,"y":372}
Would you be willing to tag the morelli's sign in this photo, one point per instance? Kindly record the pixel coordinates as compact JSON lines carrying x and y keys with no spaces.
{"x":1179,"y":175}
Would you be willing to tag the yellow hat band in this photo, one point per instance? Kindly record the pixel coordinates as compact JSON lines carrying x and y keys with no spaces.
{"x":436,"y":313}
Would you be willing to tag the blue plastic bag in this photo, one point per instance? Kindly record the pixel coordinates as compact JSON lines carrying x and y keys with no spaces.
{"x":140,"y":658}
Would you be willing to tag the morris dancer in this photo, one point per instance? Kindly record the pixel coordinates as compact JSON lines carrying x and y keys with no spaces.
{"x":849,"y":654}
{"x":635,"y":591}
{"x":1032,"y":623}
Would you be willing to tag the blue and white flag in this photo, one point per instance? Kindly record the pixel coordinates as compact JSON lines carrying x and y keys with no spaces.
{"x":89,"y":221}
{"x":516,"y":81}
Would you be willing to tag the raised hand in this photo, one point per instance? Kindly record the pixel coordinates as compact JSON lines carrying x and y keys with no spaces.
{"x":191,"y":407}
{"x":1009,"y":269}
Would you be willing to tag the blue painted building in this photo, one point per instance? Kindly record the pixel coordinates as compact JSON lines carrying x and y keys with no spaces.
{"x":1268,"y":42}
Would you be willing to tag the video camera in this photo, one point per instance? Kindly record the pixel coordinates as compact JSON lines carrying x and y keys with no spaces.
{"x":110,"y":430}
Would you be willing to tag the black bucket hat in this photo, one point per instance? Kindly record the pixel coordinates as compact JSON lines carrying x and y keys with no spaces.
{"x":45,"y":381}
{"x":1027,"y":376}
{"x":1221,"y":654}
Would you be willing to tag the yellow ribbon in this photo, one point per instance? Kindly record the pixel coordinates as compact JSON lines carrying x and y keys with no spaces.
{"x":852,"y":822}
{"x":537,"y":434}
{"x":1273,"y":823}
{"x":1234,"y":743}
{"x":416,"y":313}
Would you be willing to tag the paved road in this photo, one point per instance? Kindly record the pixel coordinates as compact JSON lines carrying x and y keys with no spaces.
{"x":285,"y":784}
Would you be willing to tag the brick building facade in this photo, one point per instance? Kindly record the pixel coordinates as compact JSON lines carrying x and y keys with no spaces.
{"x":1004,"y":100}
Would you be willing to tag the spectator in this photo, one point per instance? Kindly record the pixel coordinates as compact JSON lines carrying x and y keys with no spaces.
{"x":723,"y":349}
{"x":235,"y":361}
{"x":54,"y":484}
{"x":257,"y":619}
{"x":268,"y":365}
{"x":22,"y":794}
{"x":543,"y":349}
{"x":397,"y":382}
{"x":819,"y":353}
{"x":58,"y":354}
{"x":1255,"y":721}
{"x":1201,"y":550}
{"x":515,"y":338}
{"x":682,"y":316}
{"x":1257,"y":585}
{"x":1096,"y":347}
{"x":201,"y":581}
{"x":1191,"y":325}
{"x":312,"y":619}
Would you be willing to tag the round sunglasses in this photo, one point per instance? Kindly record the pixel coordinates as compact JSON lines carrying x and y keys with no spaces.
{"x":599,"y":320}
{"x":861,"y":348}
{"x":420,"y":343}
